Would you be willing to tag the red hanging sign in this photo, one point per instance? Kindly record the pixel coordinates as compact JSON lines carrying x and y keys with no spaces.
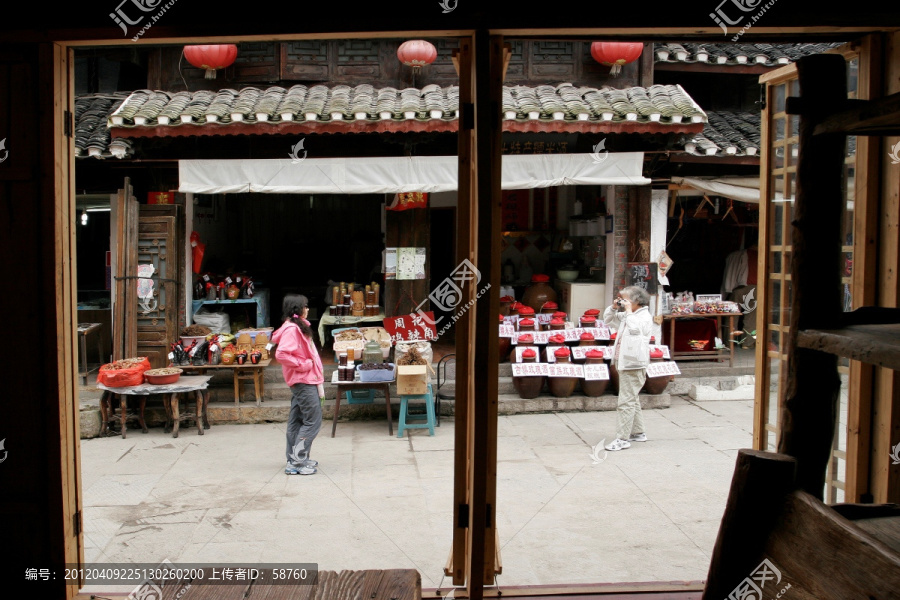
{"x":408,"y":200}
{"x":410,"y":328}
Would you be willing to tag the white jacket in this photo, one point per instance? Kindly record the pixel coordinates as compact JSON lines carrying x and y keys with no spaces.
{"x":633,"y":334}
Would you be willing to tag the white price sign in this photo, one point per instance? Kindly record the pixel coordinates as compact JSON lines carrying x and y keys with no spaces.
{"x":608,"y":352}
{"x":596,"y":372}
{"x":530,"y":370}
{"x":665,"y":350}
{"x":544,"y":318}
{"x":604,"y":331}
{"x":565,"y":370}
{"x":511,"y":319}
{"x":573,"y":335}
{"x":541,"y":337}
{"x":507,"y":330}
{"x":662,"y":369}
{"x":580,"y":352}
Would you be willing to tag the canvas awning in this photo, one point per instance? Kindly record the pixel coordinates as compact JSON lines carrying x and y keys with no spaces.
{"x":392,"y":175}
{"x":745,"y":189}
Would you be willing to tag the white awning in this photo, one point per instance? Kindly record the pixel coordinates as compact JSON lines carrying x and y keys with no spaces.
{"x":392,"y":175}
{"x":745,"y":189}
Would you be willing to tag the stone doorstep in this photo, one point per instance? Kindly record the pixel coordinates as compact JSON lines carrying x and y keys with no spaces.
{"x":276,"y":411}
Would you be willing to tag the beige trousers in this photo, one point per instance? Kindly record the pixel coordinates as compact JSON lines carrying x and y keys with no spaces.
{"x":630,"y":420}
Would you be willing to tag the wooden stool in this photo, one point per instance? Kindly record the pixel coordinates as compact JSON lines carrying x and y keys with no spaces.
{"x":246,"y":373}
{"x":428,"y":398}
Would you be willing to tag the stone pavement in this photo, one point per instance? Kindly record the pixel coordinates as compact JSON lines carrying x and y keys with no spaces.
{"x":649,"y":513}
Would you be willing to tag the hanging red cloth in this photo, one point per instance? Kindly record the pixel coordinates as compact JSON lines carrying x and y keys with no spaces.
{"x":407,"y":200}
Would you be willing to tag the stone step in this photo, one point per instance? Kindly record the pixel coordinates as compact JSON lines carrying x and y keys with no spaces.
{"x":275,"y":409}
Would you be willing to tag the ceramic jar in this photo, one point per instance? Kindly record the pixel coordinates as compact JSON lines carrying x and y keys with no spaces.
{"x":525,"y":324}
{"x":523,"y":340}
{"x":539,"y":292}
{"x":597,"y":387}
{"x":505,"y":303}
{"x":503,"y":345}
{"x":657,"y":385}
{"x":557,"y":324}
{"x":562,"y":387}
{"x":530,"y":386}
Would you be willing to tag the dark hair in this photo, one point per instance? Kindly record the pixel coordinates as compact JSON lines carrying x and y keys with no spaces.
{"x":292,"y":309}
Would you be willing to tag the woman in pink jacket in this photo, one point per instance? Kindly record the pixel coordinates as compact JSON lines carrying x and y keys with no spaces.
{"x":302,"y":369}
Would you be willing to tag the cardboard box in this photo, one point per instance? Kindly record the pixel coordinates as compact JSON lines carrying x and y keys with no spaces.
{"x":412,"y":379}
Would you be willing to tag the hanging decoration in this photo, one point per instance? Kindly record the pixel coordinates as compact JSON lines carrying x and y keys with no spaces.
{"x":616,"y":54}
{"x":416,"y":53}
{"x":408,"y":200}
{"x":211,"y":57}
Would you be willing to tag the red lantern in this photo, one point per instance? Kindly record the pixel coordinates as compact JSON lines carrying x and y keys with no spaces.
{"x":616,"y":54}
{"x":416,"y":53}
{"x":211,"y":57}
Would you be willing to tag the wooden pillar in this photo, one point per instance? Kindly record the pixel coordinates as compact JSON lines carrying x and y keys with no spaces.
{"x":813,"y":385}
{"x":639,"y":223}
{"x":407,"y":229}
{"x":761,"y":483}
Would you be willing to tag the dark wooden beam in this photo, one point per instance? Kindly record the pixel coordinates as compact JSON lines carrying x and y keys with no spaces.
{"x":865,"y":117}
{"x":714,"y":68}
{"x":812,"y":384}
{"x":761,"y":482}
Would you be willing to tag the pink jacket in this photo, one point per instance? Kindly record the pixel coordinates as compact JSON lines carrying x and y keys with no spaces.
{"x":300,"y":362}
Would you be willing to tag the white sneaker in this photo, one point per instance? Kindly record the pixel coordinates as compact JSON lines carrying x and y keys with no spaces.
{"x":638,"y":437}
{"x":618,"y":444}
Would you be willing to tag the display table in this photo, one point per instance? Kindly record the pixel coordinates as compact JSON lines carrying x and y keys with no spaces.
{"x":702,"y":354}
{"x":84,"y":330}
{"x":349,"y":386}
{"x":241,"y":373}
{"x":260,"y":298}
{"x":329,"y":321}
{"x":171,"y":395}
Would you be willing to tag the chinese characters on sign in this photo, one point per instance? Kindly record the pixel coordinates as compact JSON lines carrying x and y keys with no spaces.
{"x":596,"y":372}
{"x":530,"y":370}
{"x":409,"y":328}
{"x":565,"y":370}
{"x":661,"y":369}
{"x":642,"y":275}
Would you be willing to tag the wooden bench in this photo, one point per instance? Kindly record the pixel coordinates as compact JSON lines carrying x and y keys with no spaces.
{"x":241,"y":374}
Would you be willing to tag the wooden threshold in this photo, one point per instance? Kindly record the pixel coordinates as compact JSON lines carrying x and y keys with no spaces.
{"x":873,"y":344}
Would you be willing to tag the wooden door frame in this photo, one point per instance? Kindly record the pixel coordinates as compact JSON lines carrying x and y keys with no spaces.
{"x":479,"y":175}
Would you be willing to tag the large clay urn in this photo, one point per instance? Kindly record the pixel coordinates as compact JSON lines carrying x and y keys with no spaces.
{"x":613,"y":377}
{"x":539,"y":292}
{"x":530,"y":386}
{"x":505,"y":302}
{"x":656,"y":385}
{"x":595,"y":387}
{"x":562,"y":387}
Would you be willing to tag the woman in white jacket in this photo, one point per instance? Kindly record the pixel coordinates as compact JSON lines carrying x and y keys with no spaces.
{"x":630,"y":317}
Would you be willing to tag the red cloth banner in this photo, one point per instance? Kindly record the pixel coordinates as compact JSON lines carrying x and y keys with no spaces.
{"x":408,"y":200}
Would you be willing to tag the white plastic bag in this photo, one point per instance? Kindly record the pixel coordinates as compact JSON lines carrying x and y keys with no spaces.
{"x":218,"y":322}
{"x":424,"y":348}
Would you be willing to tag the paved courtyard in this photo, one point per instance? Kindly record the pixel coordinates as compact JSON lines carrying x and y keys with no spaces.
{"x":649,"y":513}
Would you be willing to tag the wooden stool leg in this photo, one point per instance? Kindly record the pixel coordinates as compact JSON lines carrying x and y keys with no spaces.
{"x":175,"y":419}
{"x":199,"y":398}
{"x":387,"y":403}
{"x":123,"y":407}
{"x":237,"y":387}
{"x":257,"y":381}
{"x":105,"y":399}
{"x":141,"y":414}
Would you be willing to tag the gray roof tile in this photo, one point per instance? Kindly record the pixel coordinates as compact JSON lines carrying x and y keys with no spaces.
{"x":770,"y":55}
{"x":727,"y":133}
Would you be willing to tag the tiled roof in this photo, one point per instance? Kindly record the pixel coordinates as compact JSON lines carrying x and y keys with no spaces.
{"x":769,"y":55}
{"x":91,"y":132}
{"x":727,"y":133}
{"x":665,"y":104}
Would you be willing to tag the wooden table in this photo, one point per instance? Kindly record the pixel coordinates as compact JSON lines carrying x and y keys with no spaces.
{"x":241,"y":373}
{"x":85,"y":329}
{"x":349,"y":386}
{"x":702,"y":354}
{"x":348,"y":321}
{"x":171,"y":393}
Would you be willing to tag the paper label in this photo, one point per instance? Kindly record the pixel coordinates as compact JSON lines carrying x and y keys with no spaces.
{"x":661,"y":369}
{"x":565,"y":370}
{"x":579,"y":352}
{"x":530,"y":369}
{"x":171,"y":356}
{"x":228,"y":281}
{"x":596,"y":372}
{"x":599,"y":333}
{"x":511,"y":319}
{"x":572,"y":335}
{"x":269,"y":346}
{"x":551,"y":357}
{"x":541,"y":337}
{"x":206,"y":278}
{"x":544,"y":318}
{"x":608,"y":352}
{"x":507,"y":330}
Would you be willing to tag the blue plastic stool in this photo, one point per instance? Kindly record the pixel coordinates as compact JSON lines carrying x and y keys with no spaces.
{"x":428,"y":398}
{"x":360,"y":397}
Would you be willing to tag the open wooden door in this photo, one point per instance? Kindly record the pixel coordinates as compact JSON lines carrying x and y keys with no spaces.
{"x":778,"y":168}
